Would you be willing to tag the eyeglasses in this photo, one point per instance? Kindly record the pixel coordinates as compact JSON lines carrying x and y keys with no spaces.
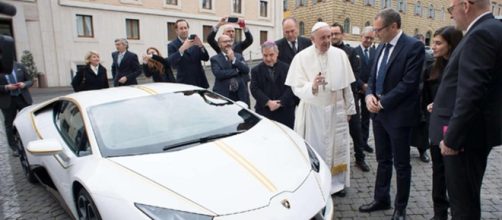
{"x":380,"y":29}
{"x":450,"y":9}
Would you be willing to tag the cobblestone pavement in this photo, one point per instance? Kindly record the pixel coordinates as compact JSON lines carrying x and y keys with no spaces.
{"x":22,"y":200}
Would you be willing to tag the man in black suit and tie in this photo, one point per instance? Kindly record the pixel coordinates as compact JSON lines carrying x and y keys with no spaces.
{"x":466,"y":115}
{"x":393,"y":95}
{"x":185,"y":55}
{"x":291,"y":43}
{"x":274,"y":99}
{"x":14,"y":96}
{"x":231,"y":72}
{"x":125,"y":67}
{"x":229,"y":30}
{"x":366,"y":54}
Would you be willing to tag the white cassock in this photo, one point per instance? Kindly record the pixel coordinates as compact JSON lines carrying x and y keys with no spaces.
{"x":321,"y":119}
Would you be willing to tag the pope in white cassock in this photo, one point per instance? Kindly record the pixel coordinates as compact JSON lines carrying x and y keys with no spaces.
{"x":320,"y":76}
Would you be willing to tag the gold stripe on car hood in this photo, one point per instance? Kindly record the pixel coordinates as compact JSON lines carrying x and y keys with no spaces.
{"x":146,"y":89}
{"x":246,"y":165}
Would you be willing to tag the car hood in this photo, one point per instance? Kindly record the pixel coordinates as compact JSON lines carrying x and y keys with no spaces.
{"x":229,"y":175}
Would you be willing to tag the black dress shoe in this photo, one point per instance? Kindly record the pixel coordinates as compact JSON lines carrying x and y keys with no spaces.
{"x":341,"y":193}
{"x":424,"y":157}
{"x":368,"y":149}
{"x":374,"y":206}
{"x":363,"y":166}
{"x":399,"y":215}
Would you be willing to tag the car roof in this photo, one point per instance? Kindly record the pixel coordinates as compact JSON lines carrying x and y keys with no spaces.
{"x":97,"y":97}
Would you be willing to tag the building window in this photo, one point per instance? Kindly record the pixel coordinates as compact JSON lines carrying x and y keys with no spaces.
{"x":132,"y":29}
{"x":302,"y":28}
{"x":442,"y":13}
{"x":263,"y":8}
{"x":386,"y":3}
{"x":171,"y":2}
{"x":367,"y":24}
{"x":416,"y":31}
{"x":301,"y":3}
{"x":369,"y":2}
{"x":207,"y":4}
{"x":401,"y":6}
{"x":432,"y":13}
{"x":237,"y":6}
{"x":171,"y":31}
{"x":206,"y":30}
{"x":285,"y":5}
{"x":263,"y":37}
{"x":238,"y":35}
{"x":428,"y":36}
{"x":346,"y":25}
{"x":418,"y":8}
{"x":84,"y":26}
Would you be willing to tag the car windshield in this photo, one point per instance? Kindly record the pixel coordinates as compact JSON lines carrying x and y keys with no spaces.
{"x":166,"y":122}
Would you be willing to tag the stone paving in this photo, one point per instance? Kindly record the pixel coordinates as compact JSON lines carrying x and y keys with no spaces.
{"x":22,"y":200}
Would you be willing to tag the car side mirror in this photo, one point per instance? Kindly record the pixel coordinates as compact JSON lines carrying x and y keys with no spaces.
{"x":45,"y":147}
{"x":242,"y":104}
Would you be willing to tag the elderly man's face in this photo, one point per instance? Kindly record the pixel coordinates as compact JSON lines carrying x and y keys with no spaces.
{"x":270,"y":56}
{"x":367,"y":39}
{"x":322,"y":39}
{"x":229,"y":31}
{"x":290,"y":30}
{"x":120,"y":46}
{"x":457,"y":13}
{"x":225,"y":43}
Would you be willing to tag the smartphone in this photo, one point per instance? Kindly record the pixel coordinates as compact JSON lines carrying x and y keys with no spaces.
{"x":232,"y":19}
{"x":192,"y":36}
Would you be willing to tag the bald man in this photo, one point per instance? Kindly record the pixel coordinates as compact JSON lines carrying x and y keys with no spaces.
{"x":291,"y":43}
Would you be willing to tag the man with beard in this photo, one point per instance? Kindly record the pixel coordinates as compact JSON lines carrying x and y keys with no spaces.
{"x":320,"y":76}
{"x":337,"y":35}
{"x":274,"y":99}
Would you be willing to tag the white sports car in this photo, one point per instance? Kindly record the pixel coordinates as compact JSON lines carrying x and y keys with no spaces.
{"x":170,"y":151}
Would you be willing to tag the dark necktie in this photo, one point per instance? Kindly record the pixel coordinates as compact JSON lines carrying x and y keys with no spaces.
{"x":366,"y":56}
{"x":293,"y":46}
{"x":382,"y":70}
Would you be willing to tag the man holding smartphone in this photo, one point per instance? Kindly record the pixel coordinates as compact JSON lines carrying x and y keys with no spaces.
{"x":14,"y":97}
{"x":185,"y":55}
{"x":228,"y":24}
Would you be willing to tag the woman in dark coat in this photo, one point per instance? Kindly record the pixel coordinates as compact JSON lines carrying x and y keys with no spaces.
{"x":155,"y":66}
{"x":444,"y":42}
{"x":92,"y":76}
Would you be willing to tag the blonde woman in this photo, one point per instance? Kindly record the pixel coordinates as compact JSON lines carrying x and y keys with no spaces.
{"x":92,"y":76}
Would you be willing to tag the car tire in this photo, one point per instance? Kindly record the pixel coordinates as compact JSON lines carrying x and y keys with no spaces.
{"x":25,"y":164}
{"x":86,"y":209}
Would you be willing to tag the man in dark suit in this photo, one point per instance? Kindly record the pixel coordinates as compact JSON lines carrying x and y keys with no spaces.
{"x":231,"y":72}
{"x":274,"y":99}
{"x":337,"y":35}
{"x":466,"y":115}
{"x":229,"y":30}
{"x":366,"y":54}
{"x":185,"y":55}
{"x":125,"y":67}
{"x":14,"y":96}
{"x":393,"y":95}
{"x":291,"y":43}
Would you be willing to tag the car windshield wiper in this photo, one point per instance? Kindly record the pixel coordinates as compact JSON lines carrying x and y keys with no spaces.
{"x":201,"y":140}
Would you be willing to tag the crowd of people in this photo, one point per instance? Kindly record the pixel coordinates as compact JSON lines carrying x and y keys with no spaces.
{"x":327,"y":92}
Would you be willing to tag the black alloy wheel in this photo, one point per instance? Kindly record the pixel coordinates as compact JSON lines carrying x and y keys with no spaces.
{"x":28,"y":172}
{"x":86,"y":208}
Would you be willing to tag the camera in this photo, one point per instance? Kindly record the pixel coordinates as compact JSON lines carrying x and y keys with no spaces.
{"x":192,"y":36}
{"x":232,"y":19}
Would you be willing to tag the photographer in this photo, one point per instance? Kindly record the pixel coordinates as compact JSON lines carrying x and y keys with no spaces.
{"x":229,"y":30}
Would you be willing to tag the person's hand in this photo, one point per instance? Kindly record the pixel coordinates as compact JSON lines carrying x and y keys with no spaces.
{"x":319,"y":80}
{"x":446,"y":151}
{"x":364,"y":88}
{"x":429,"y":107}
{"x":146,"y":57}
{"x":221,"y":22}
{"x":187,"y":44}
{"x":198,"y":42}
{"x":372,"y":104}
{"x":348,"y":117}
{"x":11,"y":87}
{"x":20,"y":85}
{"x":273,"y":104}
{"x":123,"y":80}
{"x":230,"y":54}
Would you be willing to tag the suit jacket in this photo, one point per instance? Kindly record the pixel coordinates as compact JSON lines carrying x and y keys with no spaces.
{"x":188,"y":66}
{"x":128,"y":67}
{"x":286,"y":53}
{"x":265,"y":88}
{"x":224,"y":71}
{"x":354,"y":64}
{"x":86,"y":79}
{"x":469,"y":98}
{"x":400,"y":98}
{"x":21,"y":76}
{"x":365,"y":66}
{"x":238,"y":47}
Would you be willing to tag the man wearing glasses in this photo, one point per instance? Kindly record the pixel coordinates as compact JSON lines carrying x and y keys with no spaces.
{"x":466,"y":117}
{"x":392,"y":95}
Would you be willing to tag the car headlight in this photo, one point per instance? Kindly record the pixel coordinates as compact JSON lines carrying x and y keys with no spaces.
{"x":314,"y":161}
{"x":158,"y":213}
